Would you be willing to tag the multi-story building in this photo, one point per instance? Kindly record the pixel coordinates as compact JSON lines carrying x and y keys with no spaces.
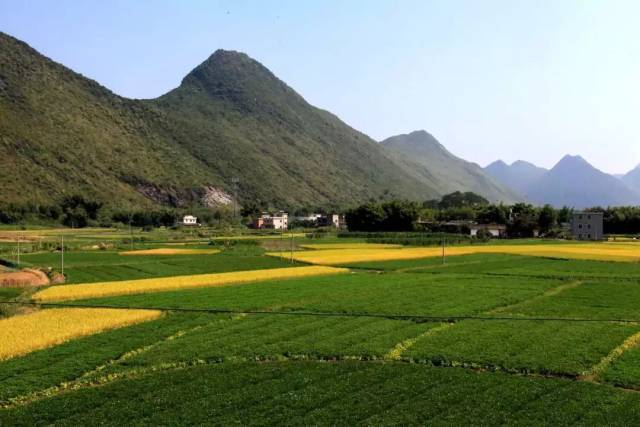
{"x":587,"y":225}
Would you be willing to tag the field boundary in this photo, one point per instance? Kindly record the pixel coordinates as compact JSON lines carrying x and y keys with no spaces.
{"x":594,"y":373}
{"x":392,"y":316}
{"x":546,"y":294}
{"x":396,"y":352}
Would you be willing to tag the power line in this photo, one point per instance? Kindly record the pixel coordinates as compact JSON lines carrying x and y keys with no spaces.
{"x":413,"y":317}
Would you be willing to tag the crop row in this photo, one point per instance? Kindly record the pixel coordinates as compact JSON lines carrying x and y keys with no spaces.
{"x":126,"y":287}
{"x":595,"y":251}
{"x":170,"y":251}
{"x":397,"y":293}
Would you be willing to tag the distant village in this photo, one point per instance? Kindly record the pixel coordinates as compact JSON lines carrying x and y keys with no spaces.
{"x":583,"y":225}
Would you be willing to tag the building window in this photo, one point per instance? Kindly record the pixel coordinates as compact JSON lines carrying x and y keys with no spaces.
{"x":579,"y":225}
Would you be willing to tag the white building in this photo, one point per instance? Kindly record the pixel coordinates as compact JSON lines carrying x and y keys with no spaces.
{"x":331,"y":220}
{"x":310,"y":218}
{"x":189,"y":220}
{"x":278,"y":221}
{"x":496,"y":230}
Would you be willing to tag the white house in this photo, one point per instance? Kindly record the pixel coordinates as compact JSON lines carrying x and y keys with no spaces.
{"x":496,"y":230}
{"x":189,"y":220}
{"x":278,"y":221}
{"x":331,"y":220}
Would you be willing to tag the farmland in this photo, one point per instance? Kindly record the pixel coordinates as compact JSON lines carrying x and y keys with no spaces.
{"x":506,"y":333}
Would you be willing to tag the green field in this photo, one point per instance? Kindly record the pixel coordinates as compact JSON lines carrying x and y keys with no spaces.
{"x":98,"y":266}
{"x":481,"y":340}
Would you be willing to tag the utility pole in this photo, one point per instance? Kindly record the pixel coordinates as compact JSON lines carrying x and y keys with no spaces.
{"x":282,"y":244}
{"x":62,"y":256}
{"x":234,"y":182}
{"x":130,"y":231}
{"x":18,"y":251}
{"x":292,"y":248}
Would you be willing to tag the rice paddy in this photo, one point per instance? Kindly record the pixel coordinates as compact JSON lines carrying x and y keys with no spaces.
{"x":498,"y":334}
{"x":170,"y":251}
{"x":590,"y":251}
{"x":141,"y":286}
{"x":22,"y":334}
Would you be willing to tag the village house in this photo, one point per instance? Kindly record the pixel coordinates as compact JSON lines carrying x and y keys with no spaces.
{"x":278,"y":221}
{"x":587,"y":225}
{"x":331,"y":220}
{"x":496,"y":230}
{"x":189,"y":220}
{"x":314,"y":217}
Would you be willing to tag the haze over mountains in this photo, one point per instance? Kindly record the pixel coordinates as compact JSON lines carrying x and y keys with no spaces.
{"x":571,"y":182}
{"x":451,"y":172}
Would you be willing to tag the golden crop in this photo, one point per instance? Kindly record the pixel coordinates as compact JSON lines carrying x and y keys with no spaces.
{"x":259,"y":236}
{"x":127,"y":287}
{"x":350,"y":246}
{"x":23,"y":334}
{"x":592,"y":251}
{"x":171,"y":251}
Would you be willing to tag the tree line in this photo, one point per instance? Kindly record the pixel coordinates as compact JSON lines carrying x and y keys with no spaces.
{"x":79,"y":212}
{"x":454,"y":211}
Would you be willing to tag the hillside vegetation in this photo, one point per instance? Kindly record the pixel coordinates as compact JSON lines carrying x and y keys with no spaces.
{"x":62,"y":134}
{"x":451,"y":172}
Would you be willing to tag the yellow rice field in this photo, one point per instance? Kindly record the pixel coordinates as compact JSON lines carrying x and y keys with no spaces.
{"x":170,"y":251}
{"x":23,"y":334}
{"x":259,"y":236}
{"x":127,"y":287}
{"x":592,"y":251}
{"x":350,"y":246}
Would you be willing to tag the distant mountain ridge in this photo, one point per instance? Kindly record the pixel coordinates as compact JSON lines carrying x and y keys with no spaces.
{"x":632,"y":179}
{"x":452,"y":173}
{"x":520,"y":175}
{"x":571,"y":182}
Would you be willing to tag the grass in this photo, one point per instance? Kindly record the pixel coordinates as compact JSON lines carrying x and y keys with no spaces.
{"x":10,"y":293}
{"x":99,"y":266}
{"x":598,"y":299}
{"x":398,"y":293}
{"x":170,"y":251}
{"x":307,"y":393}
{"x":546,"y":347}
{"x":625,"y":371}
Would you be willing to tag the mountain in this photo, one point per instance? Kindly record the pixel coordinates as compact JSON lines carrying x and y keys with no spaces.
{"x":64,"y":134}
{"x":574,"y":182}
{"x":450,"y":172}
{"x":519,"y":175}
{"x":632,"y":179}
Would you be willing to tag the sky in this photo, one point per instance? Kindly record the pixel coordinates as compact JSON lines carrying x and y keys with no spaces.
{"x":491,"y":79}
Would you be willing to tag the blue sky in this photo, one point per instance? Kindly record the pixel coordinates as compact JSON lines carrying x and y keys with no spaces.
{"x":491,"y":79}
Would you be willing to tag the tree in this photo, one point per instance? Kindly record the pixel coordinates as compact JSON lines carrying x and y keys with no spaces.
{"x":367,"y":217}
{"x":547,"y":218}
{"x":396,"y":215}
{"x":493,"y":214}
{"x":458,"y":199}
{"x":524,"y":220}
